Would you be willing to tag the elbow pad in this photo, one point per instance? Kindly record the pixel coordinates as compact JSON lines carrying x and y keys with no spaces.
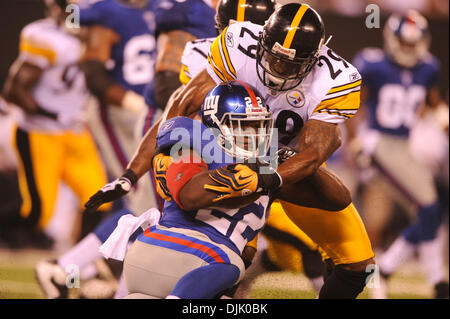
{"x":180,"y":173}
{"x":166,"y":82}
{"x":97,"y":78}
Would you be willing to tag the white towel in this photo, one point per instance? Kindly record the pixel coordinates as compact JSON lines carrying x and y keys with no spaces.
{"x":116,"y":245}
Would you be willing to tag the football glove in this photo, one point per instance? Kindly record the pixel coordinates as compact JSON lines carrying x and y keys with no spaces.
{"x":112,"y":191}
{"x":285,"y":153}
{"x":237,"y":180}
{"x":161,"y":163}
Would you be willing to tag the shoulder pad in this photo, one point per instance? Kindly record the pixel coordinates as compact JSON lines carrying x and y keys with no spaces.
{"x":183,"y":132}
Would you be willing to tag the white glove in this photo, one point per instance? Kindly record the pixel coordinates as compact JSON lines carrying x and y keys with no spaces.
{"x":134,"y":102}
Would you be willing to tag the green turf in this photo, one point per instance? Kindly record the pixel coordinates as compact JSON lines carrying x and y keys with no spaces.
{"x":21,"y":274}
{"x":260,"y":293}
{"x":17,"y":282}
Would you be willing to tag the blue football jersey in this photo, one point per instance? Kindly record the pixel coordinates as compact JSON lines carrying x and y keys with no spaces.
{"x":395,"y":93}
{"x":193,"y":16}
{"x":231,"y":227}
{"x":133,"y":57}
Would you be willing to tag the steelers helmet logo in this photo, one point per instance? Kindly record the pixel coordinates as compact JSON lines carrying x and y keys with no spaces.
{"x":296,"y":98}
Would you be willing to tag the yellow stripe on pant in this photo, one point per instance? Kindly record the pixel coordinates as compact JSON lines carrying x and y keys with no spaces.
{"x":45,"y":159}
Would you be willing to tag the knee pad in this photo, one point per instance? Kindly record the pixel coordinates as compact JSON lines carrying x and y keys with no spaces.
{"x":343,"y":284}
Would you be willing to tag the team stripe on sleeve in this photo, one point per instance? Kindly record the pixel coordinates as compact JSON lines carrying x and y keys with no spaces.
{"x":36,"y":49}
{"x":185,"y":76}
{"x":219,"y":59}
{"x":342,"y":101}
{"x":346,"y":87}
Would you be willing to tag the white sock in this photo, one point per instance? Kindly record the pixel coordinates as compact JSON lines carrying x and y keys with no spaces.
{"x":431,"y":256}
{"x":316,"y":283}
{"x":397,"y":254}
{"x":172,"y":297}
{"x":83,"y":253}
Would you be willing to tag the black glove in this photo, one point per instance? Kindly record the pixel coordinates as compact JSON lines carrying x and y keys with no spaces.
{"x":268,"y":178}
{"x":112,"y":191}
{"x":285,"y":153}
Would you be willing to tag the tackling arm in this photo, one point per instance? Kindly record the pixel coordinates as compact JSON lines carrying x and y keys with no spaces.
{"x":318,"y":140}
{"x":323,"y":190}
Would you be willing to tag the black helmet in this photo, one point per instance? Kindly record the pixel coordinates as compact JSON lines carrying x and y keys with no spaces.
{"x":255,"y":11}
{"x":289,"y":46}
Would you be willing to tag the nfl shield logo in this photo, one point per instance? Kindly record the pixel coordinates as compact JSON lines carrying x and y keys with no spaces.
{"x":296,"y":98}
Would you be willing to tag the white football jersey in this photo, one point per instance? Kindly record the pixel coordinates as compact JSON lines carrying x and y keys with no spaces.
{"x":194,"y":58}
{"x":329,"y":93}
{"x":61,"y":88}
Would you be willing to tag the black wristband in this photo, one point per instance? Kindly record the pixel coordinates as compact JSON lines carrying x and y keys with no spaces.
{"x":41,"y":111}
{"x":269,"y":182}
{"x":247,"y":263}
{"x":131,"y":176}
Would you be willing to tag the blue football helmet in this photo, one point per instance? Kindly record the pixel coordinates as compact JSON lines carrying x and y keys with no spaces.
{"x":241,"y":121}
{"x":406,"y":38}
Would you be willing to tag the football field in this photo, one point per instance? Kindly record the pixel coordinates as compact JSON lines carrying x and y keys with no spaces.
{"x":17,"y":280}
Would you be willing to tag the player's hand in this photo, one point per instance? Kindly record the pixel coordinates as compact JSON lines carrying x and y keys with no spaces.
{"x":134,"y":102}
{"x":161,"y":163}
{"x":239,"y":180}
{"x":112,"y":191}
{"x":285,"y":153}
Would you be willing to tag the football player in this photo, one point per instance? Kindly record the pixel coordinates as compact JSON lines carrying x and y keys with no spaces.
{"x":310,"y":89}
{"x":51,"y":140}
{"x":120,"y":60}
{"x":288,"y":246}
{"x":400,"y":81}
{"x":194,"y":251}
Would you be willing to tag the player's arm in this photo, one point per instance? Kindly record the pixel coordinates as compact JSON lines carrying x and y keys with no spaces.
{"x":317,"y":141}
{"x":168,"y":63}
{"x":21,"y":80}
{"x":323,"y":190}
{"x":186,"y":180}
{"x":99,"y":42}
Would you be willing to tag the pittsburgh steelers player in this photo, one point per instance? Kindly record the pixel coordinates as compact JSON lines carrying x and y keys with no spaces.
{"x":51,"y":140}
{"x":309,"y":89}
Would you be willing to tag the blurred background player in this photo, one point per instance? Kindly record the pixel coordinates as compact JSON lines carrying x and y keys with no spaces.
{"x":51,"y":140}
{"x":400,"y":85}
{"x":124,"y":32}
{"x":118,"y":62}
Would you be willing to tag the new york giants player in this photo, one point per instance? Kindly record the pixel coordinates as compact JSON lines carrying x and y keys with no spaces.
{"x":400,"y":83}
{"x":194,"y":251}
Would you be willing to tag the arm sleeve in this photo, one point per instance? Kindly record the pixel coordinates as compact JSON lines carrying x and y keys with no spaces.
{"x":36,"y":49}
{"x":219,"y":64}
